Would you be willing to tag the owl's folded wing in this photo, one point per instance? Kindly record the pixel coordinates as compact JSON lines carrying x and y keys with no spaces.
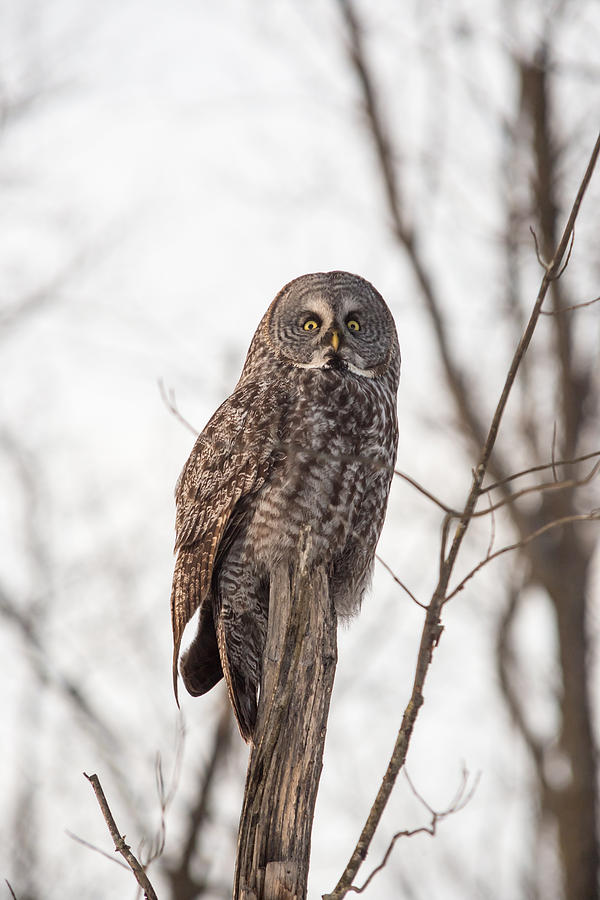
{"x":230,"y":459}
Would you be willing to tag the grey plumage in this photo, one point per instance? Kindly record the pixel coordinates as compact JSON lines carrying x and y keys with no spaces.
{"x":308,"y":437}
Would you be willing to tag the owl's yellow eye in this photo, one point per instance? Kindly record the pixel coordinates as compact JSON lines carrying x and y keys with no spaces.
{"x":311,"y":325}
{"x":353,"y":325}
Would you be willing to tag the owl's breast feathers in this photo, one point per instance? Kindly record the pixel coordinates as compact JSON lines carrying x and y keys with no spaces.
{"x":307,"y":448}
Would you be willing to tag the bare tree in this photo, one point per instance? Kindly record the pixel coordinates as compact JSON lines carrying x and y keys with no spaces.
{"x":560,"y":563}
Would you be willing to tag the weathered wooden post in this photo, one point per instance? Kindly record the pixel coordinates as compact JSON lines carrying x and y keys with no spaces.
{"x":286,"y":758}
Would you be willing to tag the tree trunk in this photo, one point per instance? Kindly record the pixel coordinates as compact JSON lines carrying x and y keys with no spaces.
{"x":286,"y":757}
{"x":562,"y":567}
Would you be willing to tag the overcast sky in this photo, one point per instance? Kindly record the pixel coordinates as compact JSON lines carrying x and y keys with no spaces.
{"x":178,"y":163}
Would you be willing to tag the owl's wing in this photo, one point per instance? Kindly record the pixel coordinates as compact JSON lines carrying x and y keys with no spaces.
{"x":230,"y":459}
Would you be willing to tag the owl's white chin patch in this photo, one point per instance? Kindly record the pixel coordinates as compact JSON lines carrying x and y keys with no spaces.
{"x":316,"y":364}
{"x":366,"y":373}
{"x":343,"y":364}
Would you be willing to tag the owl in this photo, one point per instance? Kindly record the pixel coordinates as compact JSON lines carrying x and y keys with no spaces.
{"x":307,"y":438}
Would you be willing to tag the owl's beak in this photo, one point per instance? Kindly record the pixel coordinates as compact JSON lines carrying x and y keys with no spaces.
{"x":335,"y":340}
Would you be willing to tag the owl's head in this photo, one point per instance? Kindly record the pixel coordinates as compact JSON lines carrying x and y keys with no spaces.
{"x":332,"y":320}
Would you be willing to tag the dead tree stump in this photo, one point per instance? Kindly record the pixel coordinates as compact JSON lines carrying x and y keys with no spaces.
{"x":287,"y":753}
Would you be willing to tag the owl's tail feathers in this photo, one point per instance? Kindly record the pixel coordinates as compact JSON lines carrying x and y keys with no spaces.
{"x":243,"y":699}
{"x":240,"y":674}
{"x":189,"y":588}
{"x":200,"y":665}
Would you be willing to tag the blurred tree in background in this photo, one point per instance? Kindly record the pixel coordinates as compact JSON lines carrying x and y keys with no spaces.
{"x":538,"y":161}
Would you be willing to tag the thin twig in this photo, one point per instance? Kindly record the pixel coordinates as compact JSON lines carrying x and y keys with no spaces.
{"x":9,"y":886}
{"x":119,"y":840}
{"x":576,"y":205}
{"x":425,"y":492}
{"x":566,"y":262}
{"x":400,"y":583}
{"x":461,"y":796}
{"x":542,"y":263}
{"x":545,"y":487}
{"x":593,"y":516}
{"x":564,"y":309}
{"x":165,"y":798}
{"x":551,"y":465}
{"x":168,"y":398}
{"x":458,"y":803}
{"x":90,"y":846}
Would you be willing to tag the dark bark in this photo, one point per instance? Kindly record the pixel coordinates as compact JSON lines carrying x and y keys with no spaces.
{"x":286,"y":757}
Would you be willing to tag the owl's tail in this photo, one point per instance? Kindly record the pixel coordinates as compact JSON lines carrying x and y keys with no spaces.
{"x":242,"y":685}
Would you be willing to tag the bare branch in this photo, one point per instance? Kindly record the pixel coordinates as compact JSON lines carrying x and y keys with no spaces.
{"x":168,"y":398}
{"x":509,"y":498}
{"x":541,"y":261}
{"x":461,"y":798}
{"x":425,"y":492}
{"x":165,"y":798}
{"x":119,"y":841}
{"x":593,"y":516}
{"x":432,"y":628}
{"x":550,"y":275}
{"x":9,"y":886}
{"x":551,"y":465}
{"x":400,"y":583}
{"x":90,"y":846}
{"x":545,"y":487}
{"x":546,"y":265}
{"x":566,"y":262}
{"x":564,"y":309}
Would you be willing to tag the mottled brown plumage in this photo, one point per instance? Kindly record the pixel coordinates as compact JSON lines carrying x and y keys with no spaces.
{"x":308,"y":437}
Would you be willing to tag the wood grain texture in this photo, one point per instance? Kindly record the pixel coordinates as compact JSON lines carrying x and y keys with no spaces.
{"x":286,"y":757}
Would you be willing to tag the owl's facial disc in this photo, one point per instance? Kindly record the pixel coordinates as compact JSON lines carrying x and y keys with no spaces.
{"x":332,"y":321}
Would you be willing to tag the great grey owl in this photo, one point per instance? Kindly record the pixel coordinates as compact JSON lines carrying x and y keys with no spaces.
{"x":308,"y":437}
